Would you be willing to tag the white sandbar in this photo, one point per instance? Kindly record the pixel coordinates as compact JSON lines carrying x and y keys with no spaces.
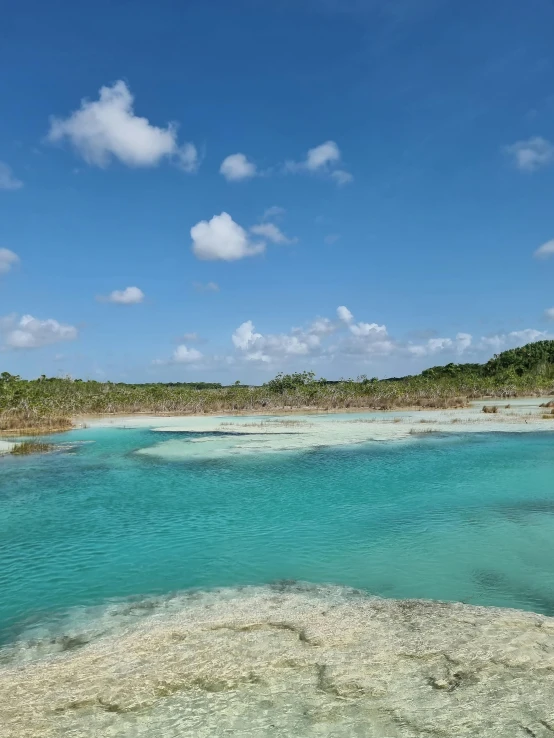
{"x":227,"y":436}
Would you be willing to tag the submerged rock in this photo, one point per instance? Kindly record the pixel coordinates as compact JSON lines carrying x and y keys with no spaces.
{"x":293,"y":661}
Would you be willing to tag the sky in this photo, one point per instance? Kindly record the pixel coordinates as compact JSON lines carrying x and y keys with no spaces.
{"x":221,"y":191}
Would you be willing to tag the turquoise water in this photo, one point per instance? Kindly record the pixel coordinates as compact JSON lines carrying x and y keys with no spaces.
{"x":463,"y":517}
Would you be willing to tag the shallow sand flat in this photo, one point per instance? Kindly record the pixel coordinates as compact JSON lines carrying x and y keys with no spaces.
{"x":6,"y":446}
{"x":288,"y":660}
{"x":227,"y":436}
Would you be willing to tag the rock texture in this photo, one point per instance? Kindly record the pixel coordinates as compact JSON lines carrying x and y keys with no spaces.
{"x":289,"y":661}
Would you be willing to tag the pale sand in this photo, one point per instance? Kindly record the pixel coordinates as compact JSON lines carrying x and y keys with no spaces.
{"x":6,"y":446}
{"x":281,"y":433}
{"x":291,"y":661}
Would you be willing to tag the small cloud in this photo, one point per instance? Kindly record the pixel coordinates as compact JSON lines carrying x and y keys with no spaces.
{"x":107,"y":128}
{"x":184,"y":355}
{"x":342,"y":177}
{"x":273,"y":212}
{"x":8,"y":259}
{"x":128,"y":296}
{"x":549,"y":313}
{"x":344,"y":314}
{"x":545,"y":251}
{"x":532,"y":154}
{"x":237,"y":167}
{"x":181,"y":355}
{"x":321,"y":156}
{"x":332,"y":238}
{"x":222,"y":239}
{"x":208,"y":287}
{"x":322,"y":159}
{"x":271,"y":233}
{"x":190,"y":337}
{"x":7,"y":180}
{"x":29,"y":332}
{"x":322,"y":327}
{"x":245,"y":335}
{"x":186,"y":158}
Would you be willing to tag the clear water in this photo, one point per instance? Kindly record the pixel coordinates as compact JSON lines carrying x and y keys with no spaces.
{"x":466,"y":517}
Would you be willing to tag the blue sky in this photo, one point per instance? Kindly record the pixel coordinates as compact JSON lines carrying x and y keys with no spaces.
{"x":191,"y":190}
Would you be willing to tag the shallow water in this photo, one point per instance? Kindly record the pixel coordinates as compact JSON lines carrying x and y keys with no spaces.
{"x":466,"y":517}
{"x":123,"y":558}
{"x":286,"y":661}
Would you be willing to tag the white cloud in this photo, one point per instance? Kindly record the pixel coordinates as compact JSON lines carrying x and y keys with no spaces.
{"x":271,"y":233}
{"x":546,"y":250}
{"x":321,"y":156}
{"x":8,"y":259}
{"x":245,"y":336}
{"x":458,"y":345}
{"x":503,"y":341}
{"x":342,"y":177}
{"x":367,"y":342}
{"x":344,"y":314}
{"x":268,"y":348}
{"x":237,"y":167}
{"x":191,"y":337}
{"x":184,"y":355}
{"x":549,"y":313}
{"x":463,"y":342}
{"x":365,"y":338}
{"x":322,"y":159}
{"x":108,"y":128}
{"x":28,"y":332}
{"x":273,"y":212}
{"x":332,"y":238}
{"x":128,"y":296}
{"x":364,"y":330}
{"x":7,"y":180}
{"x":207,"y":287}
{"x":222,"y":238}
{"x":186,"y":157}
{"x":322,"y":327}
{"x":532,"y":154}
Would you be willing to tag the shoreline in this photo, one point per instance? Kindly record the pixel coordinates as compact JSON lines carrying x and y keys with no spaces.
{"x":227,"y":436}
{"x":309,"y":428}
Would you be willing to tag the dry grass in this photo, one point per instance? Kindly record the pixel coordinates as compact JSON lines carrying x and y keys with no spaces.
{"x":31,"y":424}
{"x":31,"y":447}
{"x":277,"y":423}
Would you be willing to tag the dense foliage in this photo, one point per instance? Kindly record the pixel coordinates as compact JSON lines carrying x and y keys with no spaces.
{"x":49,"y":403}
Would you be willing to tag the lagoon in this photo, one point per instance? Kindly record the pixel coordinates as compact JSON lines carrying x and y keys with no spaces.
{"x":154,"y":577}
{"x":463,"y":517}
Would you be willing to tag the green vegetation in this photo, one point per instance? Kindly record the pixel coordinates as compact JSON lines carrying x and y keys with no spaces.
{"x":48,"y":404}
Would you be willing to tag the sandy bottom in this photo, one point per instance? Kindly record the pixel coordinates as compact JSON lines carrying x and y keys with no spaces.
{"x":286,"y":660}
{"x":225,"y":436}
